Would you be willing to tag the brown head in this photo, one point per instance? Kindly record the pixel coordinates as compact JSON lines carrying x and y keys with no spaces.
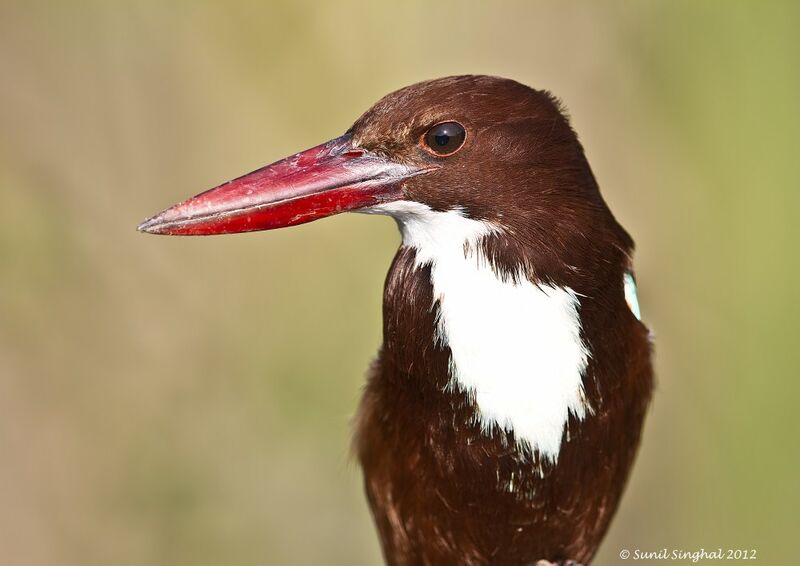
{"x":492,"y":148}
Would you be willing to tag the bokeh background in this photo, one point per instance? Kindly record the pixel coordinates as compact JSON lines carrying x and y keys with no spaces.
{"x":168,"y":401}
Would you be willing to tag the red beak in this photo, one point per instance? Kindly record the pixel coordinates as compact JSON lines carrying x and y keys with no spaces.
{"x":328,"y":179}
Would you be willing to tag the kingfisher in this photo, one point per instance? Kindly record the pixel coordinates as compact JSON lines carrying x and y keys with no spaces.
{"x":502,"y":414}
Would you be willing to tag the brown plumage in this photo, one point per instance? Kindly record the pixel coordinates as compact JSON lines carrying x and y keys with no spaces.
{"x":444,"y":490}
{"x":437,"y":485}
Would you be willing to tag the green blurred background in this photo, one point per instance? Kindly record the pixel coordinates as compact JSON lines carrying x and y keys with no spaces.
{"x":174,"y":401}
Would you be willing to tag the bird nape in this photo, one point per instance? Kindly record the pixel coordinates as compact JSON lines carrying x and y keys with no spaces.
{"x":501,"y":418}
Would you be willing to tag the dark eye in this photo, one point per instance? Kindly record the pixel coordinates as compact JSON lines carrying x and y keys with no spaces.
{"x":446,"y":138}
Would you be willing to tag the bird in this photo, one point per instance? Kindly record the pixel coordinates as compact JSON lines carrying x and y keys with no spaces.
{"x":501,"y":417}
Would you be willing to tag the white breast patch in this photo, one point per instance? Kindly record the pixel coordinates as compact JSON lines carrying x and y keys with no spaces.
{"x":515,"y":346}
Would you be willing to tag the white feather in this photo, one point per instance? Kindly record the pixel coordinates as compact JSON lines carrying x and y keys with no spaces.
{"x":516,"y":347}
{"x":631,"y":297}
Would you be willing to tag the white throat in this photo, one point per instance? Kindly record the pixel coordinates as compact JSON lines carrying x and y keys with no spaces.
{"x":516,"y":347}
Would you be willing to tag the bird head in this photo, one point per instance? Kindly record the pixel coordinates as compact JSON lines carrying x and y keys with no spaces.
{"x":482,"y":148}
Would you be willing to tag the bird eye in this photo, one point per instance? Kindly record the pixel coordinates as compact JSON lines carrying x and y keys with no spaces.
{"x":445,"y":139}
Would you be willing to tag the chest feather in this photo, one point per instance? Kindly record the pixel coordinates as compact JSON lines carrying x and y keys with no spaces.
{"x":516,"y":347}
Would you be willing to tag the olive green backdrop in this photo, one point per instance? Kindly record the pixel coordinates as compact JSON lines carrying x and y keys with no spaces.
{"x":168,"y":401}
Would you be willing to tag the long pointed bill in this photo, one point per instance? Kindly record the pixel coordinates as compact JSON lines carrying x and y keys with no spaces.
{"x":328,"y":179}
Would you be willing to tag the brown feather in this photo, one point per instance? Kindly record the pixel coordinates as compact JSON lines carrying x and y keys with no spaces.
{"x":439,"y":487}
